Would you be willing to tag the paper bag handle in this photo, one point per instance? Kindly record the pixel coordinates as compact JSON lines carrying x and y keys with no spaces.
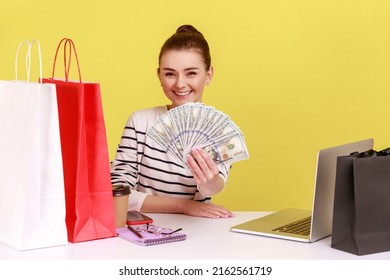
{"x":66,"y":42}
{"x":28,"y":59}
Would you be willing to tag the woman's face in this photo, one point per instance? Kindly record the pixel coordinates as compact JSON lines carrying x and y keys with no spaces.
{"x":183,"y":76}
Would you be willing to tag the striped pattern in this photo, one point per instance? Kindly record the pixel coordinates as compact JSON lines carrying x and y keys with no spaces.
{"x":148,"y":170}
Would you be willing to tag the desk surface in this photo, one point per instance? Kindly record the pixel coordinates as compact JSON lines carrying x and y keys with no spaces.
{"x":206,"y":239}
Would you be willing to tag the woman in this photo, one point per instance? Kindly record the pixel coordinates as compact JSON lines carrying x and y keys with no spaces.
{"x":159,"y":182}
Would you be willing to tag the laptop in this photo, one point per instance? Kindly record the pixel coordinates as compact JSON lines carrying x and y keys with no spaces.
{"x":305,"y":225}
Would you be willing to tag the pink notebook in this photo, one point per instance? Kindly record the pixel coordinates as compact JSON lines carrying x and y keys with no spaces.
{"x":149,"y":238}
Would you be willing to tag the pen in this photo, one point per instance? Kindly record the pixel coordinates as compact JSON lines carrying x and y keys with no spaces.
{"x":135,"y":232}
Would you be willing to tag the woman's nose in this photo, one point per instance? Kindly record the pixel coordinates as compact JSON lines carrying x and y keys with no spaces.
{"x":180,"y":82}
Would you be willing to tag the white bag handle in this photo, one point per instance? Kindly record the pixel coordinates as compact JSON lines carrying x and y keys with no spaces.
{"x":28,"y":59}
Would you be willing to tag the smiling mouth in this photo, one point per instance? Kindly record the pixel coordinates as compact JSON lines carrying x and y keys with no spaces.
{"x":184,"y":93}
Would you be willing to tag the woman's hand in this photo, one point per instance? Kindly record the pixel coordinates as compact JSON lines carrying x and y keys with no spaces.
{"x":206,"y":210}
{"x":205,"y":172}
{"x":161,"y":204}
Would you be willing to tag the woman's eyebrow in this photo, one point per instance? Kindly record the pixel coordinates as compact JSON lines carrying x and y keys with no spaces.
{"x":191,"y":68}
{"x":186,"y":69}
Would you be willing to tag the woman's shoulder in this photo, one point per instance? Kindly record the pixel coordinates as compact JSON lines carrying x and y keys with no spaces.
{"x":148,"y":116}
{"x":151,"y":111}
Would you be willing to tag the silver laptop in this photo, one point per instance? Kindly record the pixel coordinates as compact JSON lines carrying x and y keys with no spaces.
{"x":306,"y":225}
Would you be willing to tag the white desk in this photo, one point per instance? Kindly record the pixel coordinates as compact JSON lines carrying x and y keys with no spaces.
{"x":206,"y":239}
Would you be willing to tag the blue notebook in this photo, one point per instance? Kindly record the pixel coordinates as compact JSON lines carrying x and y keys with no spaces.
{"x":148,"y":238}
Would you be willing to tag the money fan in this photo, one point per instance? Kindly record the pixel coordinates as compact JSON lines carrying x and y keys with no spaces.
{"x":197,"y":125}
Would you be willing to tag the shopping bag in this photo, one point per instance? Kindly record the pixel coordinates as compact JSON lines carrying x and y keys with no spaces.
{"x":88,"y":191}
{"x":32,"y":199}
{"x":361,"y":212}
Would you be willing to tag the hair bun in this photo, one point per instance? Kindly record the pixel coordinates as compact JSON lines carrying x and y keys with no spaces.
{"x":187,"y":37}
{"x":187,"y":28}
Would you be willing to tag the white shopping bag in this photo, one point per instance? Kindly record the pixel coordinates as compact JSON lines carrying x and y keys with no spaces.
{"x":32,"y":196}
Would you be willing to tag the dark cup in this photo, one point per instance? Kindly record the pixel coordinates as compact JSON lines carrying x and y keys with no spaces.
{"x":121,"y":196}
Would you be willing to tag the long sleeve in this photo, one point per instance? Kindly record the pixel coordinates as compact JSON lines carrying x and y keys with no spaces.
{"x":124,"y":168}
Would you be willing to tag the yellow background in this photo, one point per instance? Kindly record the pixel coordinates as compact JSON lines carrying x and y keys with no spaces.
{"x":296,"y":76}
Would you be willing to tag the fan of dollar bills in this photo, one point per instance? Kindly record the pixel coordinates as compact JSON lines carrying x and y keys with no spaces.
{"x":197,"y":125}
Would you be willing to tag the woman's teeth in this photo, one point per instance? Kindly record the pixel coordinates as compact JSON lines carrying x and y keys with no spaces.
{"x":182,"y":93}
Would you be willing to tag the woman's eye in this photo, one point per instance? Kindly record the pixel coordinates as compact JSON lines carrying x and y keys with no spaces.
{"x":169,"y":74}
{"x":191,"y":73}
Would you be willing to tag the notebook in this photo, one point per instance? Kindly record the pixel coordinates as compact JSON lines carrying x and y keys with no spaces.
{"x":148,"y":238}
{"x":292,"y":224}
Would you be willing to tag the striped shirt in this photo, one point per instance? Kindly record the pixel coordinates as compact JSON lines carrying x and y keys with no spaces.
{"x":147,"y":169}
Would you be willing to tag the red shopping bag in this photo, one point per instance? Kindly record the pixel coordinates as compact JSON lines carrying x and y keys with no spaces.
{"x":88,"y":191}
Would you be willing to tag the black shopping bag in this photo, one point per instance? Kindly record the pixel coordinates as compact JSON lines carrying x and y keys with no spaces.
{"x":361,"y":214}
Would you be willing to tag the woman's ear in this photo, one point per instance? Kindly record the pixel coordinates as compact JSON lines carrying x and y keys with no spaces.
{"x":158,"y":74}
{"x":210,"y":74}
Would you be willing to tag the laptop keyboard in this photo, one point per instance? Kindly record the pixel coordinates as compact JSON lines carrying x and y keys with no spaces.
{"x":301,"y":227}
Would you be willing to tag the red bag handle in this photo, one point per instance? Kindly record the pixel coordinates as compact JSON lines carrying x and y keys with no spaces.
{"x":66,"y":42}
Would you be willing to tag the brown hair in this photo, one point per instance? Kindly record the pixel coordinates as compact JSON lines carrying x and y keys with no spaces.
{"x":188,"y":37}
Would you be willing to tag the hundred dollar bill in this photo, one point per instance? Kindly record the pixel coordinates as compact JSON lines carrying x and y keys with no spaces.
{"x":160,"y":137}
{"x":227,"y":150}
{"x":173,"y":134}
